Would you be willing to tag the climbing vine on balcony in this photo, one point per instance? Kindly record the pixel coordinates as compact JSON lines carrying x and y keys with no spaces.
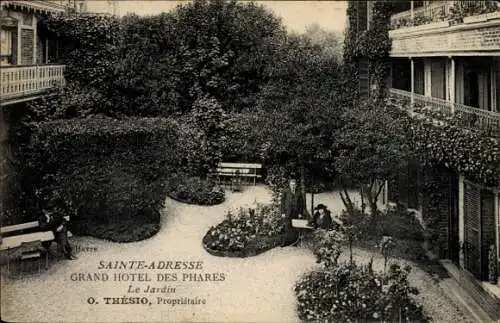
{"x":468,"y":152}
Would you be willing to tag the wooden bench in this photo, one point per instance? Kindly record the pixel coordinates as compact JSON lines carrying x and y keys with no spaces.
{"x":238,"y":171}
{"x":23,"y":245}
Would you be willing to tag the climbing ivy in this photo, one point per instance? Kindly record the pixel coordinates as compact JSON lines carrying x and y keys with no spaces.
{"x":437,"y":140}
{"x":466,"y":151}
{"x":446,"y":141}
{"x":372,"y":44}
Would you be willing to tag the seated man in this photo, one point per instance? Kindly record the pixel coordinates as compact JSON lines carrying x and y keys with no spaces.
{"x":58,"y":224}
{"x":322,"y":218}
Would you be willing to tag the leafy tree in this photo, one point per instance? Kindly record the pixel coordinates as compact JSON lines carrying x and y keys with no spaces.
{"x":371,"y":145}
{"x":297,"y":107}
{"x":329,"y":41}
{"x":216,"y":48}
{"x":203,"y":135}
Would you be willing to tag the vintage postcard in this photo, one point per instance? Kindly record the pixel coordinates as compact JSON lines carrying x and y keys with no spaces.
{"x":249,"y":161}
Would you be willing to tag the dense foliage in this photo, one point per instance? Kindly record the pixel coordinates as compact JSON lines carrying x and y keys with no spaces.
{"x":227,"y":68}
{"x":109,"y":174}
{"x":469,"y":152}
{"x":348,"y":292}
{"x":163,"y":64}
{"x":401,"y":225}
{"x":296,"y":112}
{"x":371,"y":145}
{"x":89,"y":49}
{"x":194,"y":190}
{"x":246,"y":232}
{"x":353,"y":293}
{"x":372,"y":45}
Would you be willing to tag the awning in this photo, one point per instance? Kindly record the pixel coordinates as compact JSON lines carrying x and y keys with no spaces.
{"x":35,"y":6}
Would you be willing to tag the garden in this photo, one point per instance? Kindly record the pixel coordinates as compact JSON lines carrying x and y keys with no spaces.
{"x":225,"y":81}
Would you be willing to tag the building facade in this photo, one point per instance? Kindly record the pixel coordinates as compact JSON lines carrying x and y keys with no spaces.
{"x":445,"y":58}
{"x":28,"y":69}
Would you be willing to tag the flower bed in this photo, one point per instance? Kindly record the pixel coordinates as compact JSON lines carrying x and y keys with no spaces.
{"x":194,"y":190}
{"x":348,"y":292}
{"x":351,"y":293}
{"x":246,"y":233}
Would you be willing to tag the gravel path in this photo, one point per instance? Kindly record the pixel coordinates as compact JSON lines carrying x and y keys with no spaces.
{"x":256,"y":289}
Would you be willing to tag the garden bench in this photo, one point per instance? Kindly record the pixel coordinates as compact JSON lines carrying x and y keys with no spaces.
{"x":236,"y":171}
{"x":21,"y":245}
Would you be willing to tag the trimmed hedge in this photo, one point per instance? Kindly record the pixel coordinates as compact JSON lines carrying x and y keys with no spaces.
{"x":109,"y":174}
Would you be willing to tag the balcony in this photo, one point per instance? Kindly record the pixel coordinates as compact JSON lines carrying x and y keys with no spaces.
{"x":37,"y":6}
{"x":441,"y":109}
{"x":24,"y":83}
{"x":446,"y":28}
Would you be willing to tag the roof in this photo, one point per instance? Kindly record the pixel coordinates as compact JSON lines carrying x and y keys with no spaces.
{"x":36,"y":6}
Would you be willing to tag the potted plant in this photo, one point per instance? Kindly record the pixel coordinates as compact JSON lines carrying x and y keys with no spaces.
{"x":492,"y":265}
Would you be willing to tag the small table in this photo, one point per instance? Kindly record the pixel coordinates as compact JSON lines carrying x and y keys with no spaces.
{"x":27,"y":252}
{"x":302,"y":225}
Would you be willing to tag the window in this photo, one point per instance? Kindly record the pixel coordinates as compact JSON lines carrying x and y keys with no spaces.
{"x":5,"y":47}
{"x":5,"y":42}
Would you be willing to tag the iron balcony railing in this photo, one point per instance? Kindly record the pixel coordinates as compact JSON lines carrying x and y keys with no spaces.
{"x":445,"y":10}
{"x":484,"y":119}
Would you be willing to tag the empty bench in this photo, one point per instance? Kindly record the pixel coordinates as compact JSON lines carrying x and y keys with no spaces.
{"x":22,"y":245}
{"x":232,"y":171}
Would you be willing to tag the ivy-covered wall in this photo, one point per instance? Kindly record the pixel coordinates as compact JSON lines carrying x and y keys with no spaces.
{"x":370,"y":44}
{"x":444,"y":148}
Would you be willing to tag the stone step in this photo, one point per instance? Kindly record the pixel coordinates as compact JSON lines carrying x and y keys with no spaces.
{"x":488,"y":303}
{"x":464,"y":301}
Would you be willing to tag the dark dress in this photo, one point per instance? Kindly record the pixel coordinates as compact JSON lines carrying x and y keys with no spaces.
{"x":292,"y":205}
{"x":322,"y":222}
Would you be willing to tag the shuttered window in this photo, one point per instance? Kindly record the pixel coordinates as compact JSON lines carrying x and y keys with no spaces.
{"x":364,"y":78}
{"x":362,"y":11}
{"x":472,"y":223}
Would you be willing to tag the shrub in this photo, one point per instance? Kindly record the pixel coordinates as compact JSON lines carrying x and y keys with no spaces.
{"x":247,"y":232}
{"x":397,"y":223}
{"x":351,"y":293}
{"x":359,"y":221}
{"x":109,"y":174}
{"x":194,"y":190}
{"x":400,"y":224}
{"x":327,"y":247}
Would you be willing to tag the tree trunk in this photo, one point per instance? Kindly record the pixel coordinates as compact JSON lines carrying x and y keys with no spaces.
{"x":347,"y":201}
{"x":312,"y":195}
{"x":363,"y":204}
{"x":373,"y":194}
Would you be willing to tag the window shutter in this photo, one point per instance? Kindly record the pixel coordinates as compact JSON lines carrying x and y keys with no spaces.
{"x":472,"y":223}
{"x":364,"y":78}
{"x":362,"y":16}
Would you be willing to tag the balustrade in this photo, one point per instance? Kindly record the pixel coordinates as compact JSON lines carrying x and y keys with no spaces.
{"x":23,"y":81}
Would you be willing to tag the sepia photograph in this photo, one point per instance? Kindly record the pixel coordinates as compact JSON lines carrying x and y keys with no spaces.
{"x":233,"y":161}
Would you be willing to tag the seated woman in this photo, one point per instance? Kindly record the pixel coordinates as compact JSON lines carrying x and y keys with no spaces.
{"x":322,"y":218}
